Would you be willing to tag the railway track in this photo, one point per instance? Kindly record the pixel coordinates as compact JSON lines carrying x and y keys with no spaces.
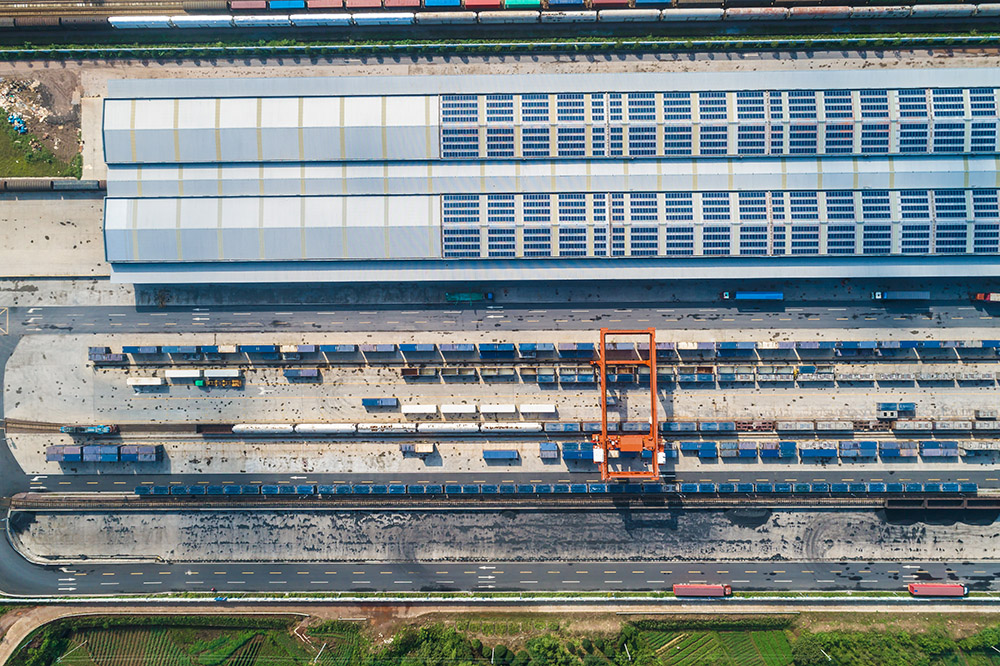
{"x":16,"y":425}
{"x":90,"y":7}
{"x":34,"y":502}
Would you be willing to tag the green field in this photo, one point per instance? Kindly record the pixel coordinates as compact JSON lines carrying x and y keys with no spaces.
{"x":735,"y":648}
{"x":21,"y":155}
{"x":514,"y":640}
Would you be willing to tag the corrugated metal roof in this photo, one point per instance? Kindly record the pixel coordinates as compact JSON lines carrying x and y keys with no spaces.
{"x":271,"y":228}
{"x":486,"y":271}
{"x":270,"y":129}
{"x":833,"y":173}
{"x":603,"y":81}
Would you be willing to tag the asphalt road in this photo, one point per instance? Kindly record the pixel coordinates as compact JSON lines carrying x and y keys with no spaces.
{"x":496,"y":576}
{"x":507,"y":317}
{"x":984,"y":475}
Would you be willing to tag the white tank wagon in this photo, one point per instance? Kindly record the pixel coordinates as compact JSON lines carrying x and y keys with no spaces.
{"x":448,"y":428}
{"x":510,"y":427}
{"x":263,"y":429}
{"x":326,"y":428}
{"x":387,"y":428}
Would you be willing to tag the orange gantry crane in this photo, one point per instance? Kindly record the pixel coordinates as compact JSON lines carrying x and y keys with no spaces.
{"x":634,"y":442}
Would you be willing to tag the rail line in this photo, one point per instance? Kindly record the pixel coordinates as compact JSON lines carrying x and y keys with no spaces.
{"x":93,"y":7}
{"x":33,"y":502}
{"x":17,"y":425}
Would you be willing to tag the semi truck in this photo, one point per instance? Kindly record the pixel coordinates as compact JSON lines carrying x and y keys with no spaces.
{"x":468,"y":296}
{"x":938,"y":589}
{"x":901,"y":295}
{"x":989,"y":297}
{"x":753,"y":296}
{"x":688,"y":590}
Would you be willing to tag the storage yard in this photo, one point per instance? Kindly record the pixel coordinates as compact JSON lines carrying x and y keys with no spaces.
{"x":571,"y":326}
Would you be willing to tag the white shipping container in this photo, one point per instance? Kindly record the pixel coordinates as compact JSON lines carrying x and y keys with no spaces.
{"x":183,"y":373}
{"x":423,"y":448}
{"x":458,"y":409}
{"x":418,"y":409}
{"x":538,"y":409}
{"x":228,"y":349}
{"x":145,"y":381}
{"x":223,"y":373}
{"x":498,"y":409}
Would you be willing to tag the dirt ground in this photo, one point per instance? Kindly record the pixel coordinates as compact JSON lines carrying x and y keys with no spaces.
{"x":957,"y":625}
{"x":49,"y":102}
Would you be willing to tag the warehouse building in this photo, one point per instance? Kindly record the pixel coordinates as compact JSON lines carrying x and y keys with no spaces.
{"x":767,"y":174}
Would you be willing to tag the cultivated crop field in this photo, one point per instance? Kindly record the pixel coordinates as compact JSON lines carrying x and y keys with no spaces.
{"x":184,"y":646}
{"x":735,"y":648}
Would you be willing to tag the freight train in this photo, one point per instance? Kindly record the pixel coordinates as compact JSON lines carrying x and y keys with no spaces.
{"x":650,"y":488}
{"x":362,"y":13}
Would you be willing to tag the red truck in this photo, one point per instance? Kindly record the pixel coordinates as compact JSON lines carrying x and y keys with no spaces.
{"x":989,"y":297}
{"x":938,"y":589}
{"x":702,"y":590}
